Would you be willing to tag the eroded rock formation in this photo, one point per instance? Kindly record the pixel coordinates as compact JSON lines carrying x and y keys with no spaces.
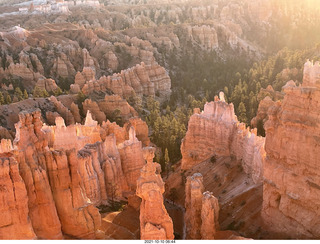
{"x":64,"y":172}
{"x":142,"y":79}
{"x":131,"y":158}
{"x":217,"y":132}
{"x":262,"y":113}
{"x":32,"y":150}
{"x":209,"y":216}
{"x":155,"y":223}
{"x":193,"y":206}
{"x":14,"y":219}
{"x":205,"y":35}
{"x":291,"y":173}
{"x":202,"y":210}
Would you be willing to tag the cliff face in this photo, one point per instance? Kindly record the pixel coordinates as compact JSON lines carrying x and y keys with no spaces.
{"x":64,"y":172}
{"x":217,"y":132}
{"x":14,"y":219}
{"x":211,"y":131}
{"x":291,"y":173}
{"x":32,"y":149}
{"x":262,"y":113}
{"x":155,"y":223}
{"x":141,"y":79}
{"x":205,"y":35}
{"x":131,"y":158}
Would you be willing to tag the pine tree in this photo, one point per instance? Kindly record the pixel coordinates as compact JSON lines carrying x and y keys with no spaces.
{"x":1,"y":98}
{"x":18,"y":93}
{"x":242,"y":113}
{"x":8,"y":99}
{"x":25,"y":94}
{"x":37,"y":92}
{"x":166,"y":160}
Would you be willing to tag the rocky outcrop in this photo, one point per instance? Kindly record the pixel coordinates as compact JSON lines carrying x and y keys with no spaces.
{"x":249,"y":149}
{"x":75,"y":112}
{"x":202,"y":210}
{"x":262,"y":113}
{"x":88,"y":61}
{"x":291,"y":173}
{"x":141,"y":129}
{"x":57,"y":197}
{"x":113,"y":62}
{"x":155,"y":223}
{"x":89,"y":105}
{"x":14,"y":219}
{"x":87,"y":74}
{"x":142,"y":79}
{"x":209,"y":216}
{"x":212,"y":132}
{"x":193,"y":205}
{"x":114,"y":105}
{"x":64,"y":112}
{"x":270,"y":92}
{"x":120,"y":133}
{"x":205,"y":35}
{"x":31,"y":147}
{"x":62,"y":66}
{"x":5,"y":146}
{"x":78,"y":216}
{"x":116,"y":183}
{"x":131,"y":158}
{"x":311,"y":74}
{"x":48,"y":85}
{"x":217,"y":132}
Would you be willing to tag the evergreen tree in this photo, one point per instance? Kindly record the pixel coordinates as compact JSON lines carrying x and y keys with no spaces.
{"x":25,"y":94}
{"x":1,"y":98}
{"x":166,"y":160}
{"x":8,"y":99}
{"x":242,"y":113}
{"x":18,"y":93}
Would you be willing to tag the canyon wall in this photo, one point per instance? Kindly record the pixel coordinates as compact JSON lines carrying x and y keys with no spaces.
{"x":291,"y":173}
{"x":217,"y":132}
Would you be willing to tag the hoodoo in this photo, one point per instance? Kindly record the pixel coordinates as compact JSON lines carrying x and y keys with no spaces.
{"x":202,"y":210}
{"x":155,"y":223}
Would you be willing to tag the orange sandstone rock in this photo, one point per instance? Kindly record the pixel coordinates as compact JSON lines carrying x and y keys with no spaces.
{"x":14,"y":220}
{"x":155,"y":223}
{"x":131,"y":158}
{"x":209,"y":216}
{"x":217,"y":132}
{"x":142,"y":79}
{"x":141,"y":129}
{"x":211,"y":131}
{"x":193,"y":206}
{"x":291,"y":173}
{"x":202,"y":210}
{"x":31,"y":147}
{"x":78,"y":216}
{"x":112,"y":103}
{"x":262,"y":113}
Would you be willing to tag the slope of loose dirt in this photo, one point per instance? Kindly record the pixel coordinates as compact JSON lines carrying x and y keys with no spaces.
{"x":240,"y":199}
